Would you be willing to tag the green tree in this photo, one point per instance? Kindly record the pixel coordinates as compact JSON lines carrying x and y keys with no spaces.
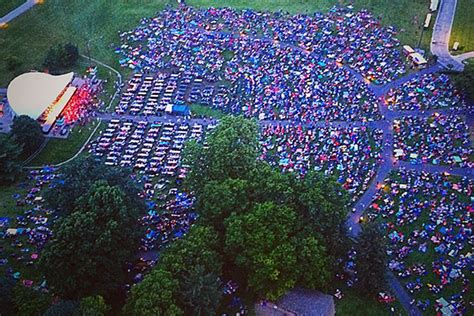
{"x":93,"y":306}
{"x":269,"y":184}
{"x":28,"y":301}
{"x":27,"y":133}
{"x":219,"y":199}
{"x":371,"y":259}
{"x":154,"y":296}
{"x":201,"y":292}
{"x":90,"y":246}
{"x":322,"y":204}
{"x":464,"y":81}
{"x":313,"y":263}
{"x":61,"y":57}
{"x":232,"y":153}
{"x":77,"y":178}
{"x":198,"y":248}
{"x":9,"y":164}
{"x":261,"y":242}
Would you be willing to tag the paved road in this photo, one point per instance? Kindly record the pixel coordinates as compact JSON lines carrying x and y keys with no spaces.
{"x":402,"y":295}
{"x":18,"y":11}
{"x":382,"y":90}
{"x":464,"y":56}
{"x":442,"y":33}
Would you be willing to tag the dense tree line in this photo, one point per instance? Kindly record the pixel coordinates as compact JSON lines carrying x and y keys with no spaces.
{"x":24,"y":138}
{"x":61,"y":57}
{"x":266,"y":230}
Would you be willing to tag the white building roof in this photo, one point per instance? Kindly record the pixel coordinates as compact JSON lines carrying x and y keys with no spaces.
{"x":31,"y":93}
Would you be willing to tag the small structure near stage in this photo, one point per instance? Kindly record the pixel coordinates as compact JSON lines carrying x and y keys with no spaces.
{"x":415,"y":57}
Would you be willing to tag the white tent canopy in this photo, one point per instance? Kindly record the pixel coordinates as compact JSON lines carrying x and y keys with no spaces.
{"x":31,"y":93}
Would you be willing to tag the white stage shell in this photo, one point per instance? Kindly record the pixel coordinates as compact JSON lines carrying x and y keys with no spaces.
{"x":31,"y":93}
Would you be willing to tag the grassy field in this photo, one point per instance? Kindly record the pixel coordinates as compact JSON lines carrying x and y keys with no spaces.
{"x":406,"y":15}
{"x":463,"y":27}
{"x":8,"y":5}
{"x":59,"y":150}
{"x":29,"y":36}
{"x":79,"y":21}
{"x":205,"y":111}
{"x":353,"y":303}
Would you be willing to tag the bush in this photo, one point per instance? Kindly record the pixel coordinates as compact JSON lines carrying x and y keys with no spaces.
{"x":27,"y":132}
{"x":61,"y":57}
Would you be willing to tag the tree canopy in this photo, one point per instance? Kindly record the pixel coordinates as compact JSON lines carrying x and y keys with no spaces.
{"x":276,"y":229}
{"x":464,"y":81}
{"x":155,"y":296}
{"x":92,"y":244}
{"x":9,"y":159}
{"x":231,"y":153}
{"x":78,"y":177}
{"x":93,"y":306}
{"x":27,"y":133}
{"x":61,"y":57}
{"x":190,"y":269}
{"x":371,"y":259}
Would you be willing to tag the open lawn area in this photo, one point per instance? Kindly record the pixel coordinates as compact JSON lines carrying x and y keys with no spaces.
{"x":463,"y":27}
{"x":8,"y":5}
{"x":28,"y":38}
{"x":354,"y":303}
{"x":59,"y":150}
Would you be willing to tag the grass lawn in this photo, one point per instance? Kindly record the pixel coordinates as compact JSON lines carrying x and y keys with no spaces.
{"x":8,"y":5}
{"x":356,"y":304}
{"x":205,"y":111}
{"x":463,"y":27}
{"x":59,"y":150}
{"x":30,"y":36}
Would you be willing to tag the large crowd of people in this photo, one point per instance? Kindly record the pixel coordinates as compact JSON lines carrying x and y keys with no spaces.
{"x":289,"y":72}
{"x":431,"y":91}
{"x":427,"y":221}
{"x":351,"y":154}
{"x":26,"y":233}
{"x":303,"y":68}
{"x":438,"y":139}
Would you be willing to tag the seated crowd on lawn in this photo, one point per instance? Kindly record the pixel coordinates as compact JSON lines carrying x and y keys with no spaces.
{"x":427,"y":221}
{"x":437,"y":139}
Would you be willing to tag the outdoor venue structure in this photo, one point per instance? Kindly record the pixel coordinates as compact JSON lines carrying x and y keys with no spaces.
{"x":41,"y":96}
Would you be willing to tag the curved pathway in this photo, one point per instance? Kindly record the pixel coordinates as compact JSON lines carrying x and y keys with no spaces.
{"x":18,"y":11}
{"x":442,"y":34}
{"x":112,"y":99}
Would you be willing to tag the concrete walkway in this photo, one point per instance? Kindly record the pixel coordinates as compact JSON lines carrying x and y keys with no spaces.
{"x":18,"y":11}
{"x":442,"y":34}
